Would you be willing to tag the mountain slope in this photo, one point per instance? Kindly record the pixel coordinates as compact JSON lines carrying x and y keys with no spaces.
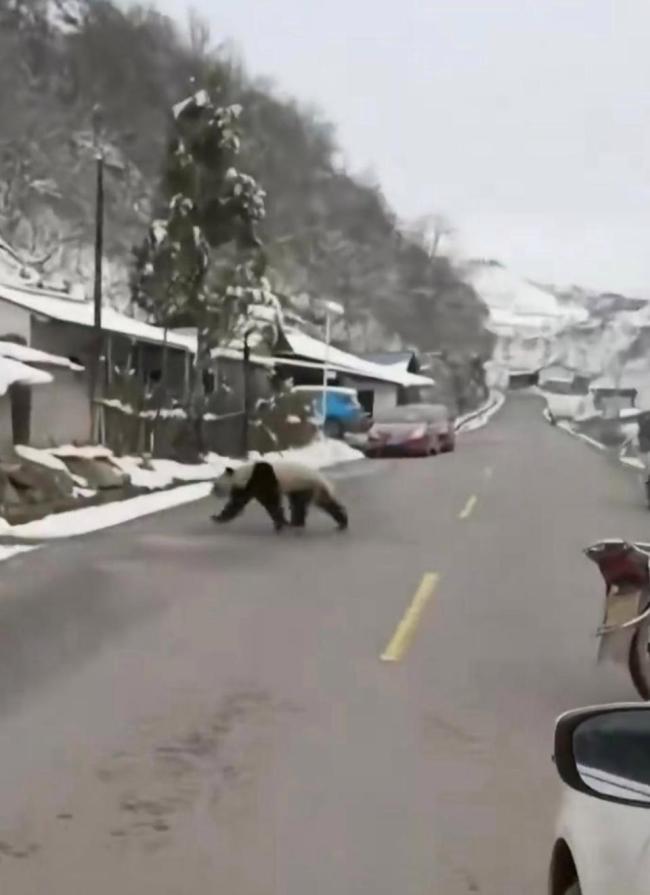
{"x":327,"y":233}
{"x":599,"y":335}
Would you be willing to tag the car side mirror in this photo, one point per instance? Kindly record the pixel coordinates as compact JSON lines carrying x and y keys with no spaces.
{"x":605,"y":753}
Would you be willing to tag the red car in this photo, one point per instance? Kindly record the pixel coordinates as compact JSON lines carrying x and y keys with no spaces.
{"x":414,"y":430}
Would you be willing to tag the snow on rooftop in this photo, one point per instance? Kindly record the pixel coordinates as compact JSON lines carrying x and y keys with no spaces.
{"x":28,"y":355}
{"x":61,"y":307}
{"x":624,"y":381}
{"x":313,"y":349}
{"x":234,"y":352}
{"x":12,"y":371}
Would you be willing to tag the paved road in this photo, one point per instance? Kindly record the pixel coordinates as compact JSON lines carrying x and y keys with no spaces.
{"x":186,"y":710}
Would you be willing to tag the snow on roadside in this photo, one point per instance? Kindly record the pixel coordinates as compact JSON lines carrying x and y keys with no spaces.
{"x":41,"y":457}
{"x":165,"y":473}
{"x":479,"y":418}
{"x":632,"y":462}
{"x":628,"y":454}
{"x":51,"y":460}
{"x":89,"y":519}
{"x":84,"y":452}
{"x":8,"y":552}
{"x":566,"y":427}
{"x":318,"y":454}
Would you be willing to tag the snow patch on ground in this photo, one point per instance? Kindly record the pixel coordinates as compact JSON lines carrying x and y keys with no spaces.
{"x":85,"y":452}
{"x":41,"y":457}
{"x":89,"y":519}
{"x":8,"y":551}
{"x":165,"y":473}
{"x":567,"y":427}
{"x":479,"y":418}
{"x":629,"y":453}
{"x":318,"y":454}
{"x":564,"y":406}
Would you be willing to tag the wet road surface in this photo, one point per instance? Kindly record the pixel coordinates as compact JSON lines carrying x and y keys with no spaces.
{"x":187,"y":709}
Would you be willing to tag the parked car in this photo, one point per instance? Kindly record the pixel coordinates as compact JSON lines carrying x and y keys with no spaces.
{"x":602,"y":842}
{"x":343,"y":413}
{"x":413,"y":430}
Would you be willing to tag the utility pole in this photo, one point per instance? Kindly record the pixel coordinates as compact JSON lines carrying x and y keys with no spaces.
{"x":96,"y":383}
{"x":247,"y":409}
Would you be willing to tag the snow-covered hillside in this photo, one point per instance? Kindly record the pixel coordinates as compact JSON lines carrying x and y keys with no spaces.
{"x":511,"y":298}
{"x":603,"y":337}
{"x":527,"y":319}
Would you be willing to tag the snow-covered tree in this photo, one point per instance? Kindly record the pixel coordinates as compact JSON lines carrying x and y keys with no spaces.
{"x":202,"y":263}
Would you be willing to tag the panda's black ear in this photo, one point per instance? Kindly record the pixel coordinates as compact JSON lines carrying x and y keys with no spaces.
{"x":229,"y":470}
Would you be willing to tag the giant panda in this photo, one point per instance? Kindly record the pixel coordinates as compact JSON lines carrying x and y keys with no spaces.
{"x":268,"y":483}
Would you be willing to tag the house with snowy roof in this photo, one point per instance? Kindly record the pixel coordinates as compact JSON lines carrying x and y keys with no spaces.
{"x":561,"y":378}
{"x":613,"y":394}
{"x":302,"y":358}
{"x":28,"y":411}
{"x":380,"y":386}
{"x":60,"y":325}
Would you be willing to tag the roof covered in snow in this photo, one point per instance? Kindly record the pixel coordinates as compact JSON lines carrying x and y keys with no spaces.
{"x":393,"y":358}
{"x":12,"y":371}
{"x":59,"y":306}
{"x":608,"y":383}
{"x":28,"y":355}
{"x":312,"y":349}
{"x":556,"y":373}
{"x":227,"y":352}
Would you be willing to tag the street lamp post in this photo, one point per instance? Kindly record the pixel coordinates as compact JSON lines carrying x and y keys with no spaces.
{"x":96,"y":360}
{"x":332,"y":309}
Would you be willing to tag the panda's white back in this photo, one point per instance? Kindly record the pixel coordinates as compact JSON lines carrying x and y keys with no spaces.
{"x":294,"y":476}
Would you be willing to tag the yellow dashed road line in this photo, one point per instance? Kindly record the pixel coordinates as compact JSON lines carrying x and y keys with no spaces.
{"x":404,"y":632}
{"x":468,"y":509}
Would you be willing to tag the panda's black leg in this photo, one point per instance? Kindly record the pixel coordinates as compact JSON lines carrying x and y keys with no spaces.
{"x":234,"y":506}
{"x":299,"y":504}
{"x":263,"y":486}
{"x":273,"y":506}
{"x":334,"y":509}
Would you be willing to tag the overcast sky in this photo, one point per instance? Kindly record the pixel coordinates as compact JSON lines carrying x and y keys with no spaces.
{"x":527,"y":122}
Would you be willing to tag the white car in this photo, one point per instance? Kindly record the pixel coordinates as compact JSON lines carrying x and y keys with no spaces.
{"x":602,"y":844}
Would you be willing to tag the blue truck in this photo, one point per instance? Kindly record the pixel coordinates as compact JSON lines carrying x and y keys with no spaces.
{"x":343,"y":413}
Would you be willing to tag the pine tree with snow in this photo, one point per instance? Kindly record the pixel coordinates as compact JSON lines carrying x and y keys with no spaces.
{"x":202,"y":263}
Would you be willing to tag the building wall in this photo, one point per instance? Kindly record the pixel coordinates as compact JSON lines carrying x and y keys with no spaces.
{"x":64,"y":339}
{"x":14,"y":321}
{"x":60,"y":411}
{"x":385,"y":395}
{"x":611,"y":405}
